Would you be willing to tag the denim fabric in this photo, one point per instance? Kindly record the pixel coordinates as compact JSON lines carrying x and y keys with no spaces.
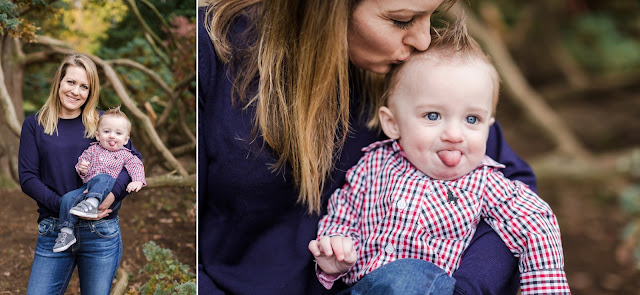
{"x":99,"y":187}
{"x":404,"y":277}
{"x":96,"y":253}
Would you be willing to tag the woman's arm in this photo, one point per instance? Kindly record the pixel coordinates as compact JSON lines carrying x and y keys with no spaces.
{"x":488,"y":266}
{"x":499,"y":150}
{"x":29,"y":168}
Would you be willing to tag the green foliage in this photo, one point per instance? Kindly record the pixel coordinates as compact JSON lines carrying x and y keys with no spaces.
{"x":168,"y":275}
{"x":630,"y":203}
{"x":12,"y":23}
{"x":600,"y":46}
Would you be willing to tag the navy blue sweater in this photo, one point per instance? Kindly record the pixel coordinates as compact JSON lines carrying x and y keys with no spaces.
{"x":253,"y":236}
{"x":46,"y":164}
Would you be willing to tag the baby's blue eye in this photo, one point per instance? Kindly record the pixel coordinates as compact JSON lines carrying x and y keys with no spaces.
{"x":432,"y":116}
{"x":472,"y":119}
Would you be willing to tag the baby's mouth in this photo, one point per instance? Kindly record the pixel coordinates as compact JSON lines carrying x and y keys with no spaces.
{"x":450,"y":158}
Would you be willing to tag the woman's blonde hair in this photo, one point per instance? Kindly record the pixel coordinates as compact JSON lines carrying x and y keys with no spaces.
{"x":296,"y":53}
{"x":49,"y":114}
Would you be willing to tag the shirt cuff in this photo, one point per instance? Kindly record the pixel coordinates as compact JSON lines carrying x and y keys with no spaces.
{"x":326,"y":279}
{"x":549,"y":281}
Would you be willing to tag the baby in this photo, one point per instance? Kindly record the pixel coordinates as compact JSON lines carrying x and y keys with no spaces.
{"x":421,"y":193}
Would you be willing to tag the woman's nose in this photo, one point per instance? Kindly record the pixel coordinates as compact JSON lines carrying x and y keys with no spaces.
{"x":419,"y":37}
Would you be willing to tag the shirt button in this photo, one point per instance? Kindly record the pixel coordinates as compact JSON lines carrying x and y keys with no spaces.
{"x":401,"y":204}
{"x":389,"y":249}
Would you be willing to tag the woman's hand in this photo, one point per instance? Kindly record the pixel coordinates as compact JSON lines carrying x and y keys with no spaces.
{"x":335,"y":255}
{"x":103,"y":209}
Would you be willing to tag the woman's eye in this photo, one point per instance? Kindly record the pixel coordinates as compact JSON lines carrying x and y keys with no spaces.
{"x":472,"y":119}
{"x":432,"y":116}
{"x":85,"y":87}
{"x":405,"y":25}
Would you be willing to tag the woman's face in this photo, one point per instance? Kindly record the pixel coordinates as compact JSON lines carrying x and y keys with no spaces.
{"x":73,"y":92}
{"x":385,"y":32}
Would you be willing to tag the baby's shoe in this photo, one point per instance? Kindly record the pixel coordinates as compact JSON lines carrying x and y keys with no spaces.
{"x":85,"y":209}
{"x":64,"y":241}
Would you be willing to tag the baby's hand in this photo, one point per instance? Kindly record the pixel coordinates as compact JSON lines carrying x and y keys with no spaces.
{"x":335,"y":255}
{"x":134,"y":186}
{"x":83,"y":167}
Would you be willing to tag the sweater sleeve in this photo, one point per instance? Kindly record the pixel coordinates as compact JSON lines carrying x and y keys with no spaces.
{"x":516,"y":168}
{"x":119,"y":189}
{"x":29,"y":168}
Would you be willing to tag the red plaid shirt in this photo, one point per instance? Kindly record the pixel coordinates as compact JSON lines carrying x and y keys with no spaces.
{"x":104,"y":161}
{"x":391,"y":210}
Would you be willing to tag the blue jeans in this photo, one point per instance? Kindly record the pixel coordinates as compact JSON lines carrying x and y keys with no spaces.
{"x":404,"y":276}
{"x":98,"y":186}
{"x":96,"y":253}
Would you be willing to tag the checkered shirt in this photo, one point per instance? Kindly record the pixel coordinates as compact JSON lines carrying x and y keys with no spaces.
{"x":104,"y":161}
{"x":392,"y":210}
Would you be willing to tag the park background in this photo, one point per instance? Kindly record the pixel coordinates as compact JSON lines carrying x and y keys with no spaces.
{"x":570,"y":106}
{"x":145,"y":54}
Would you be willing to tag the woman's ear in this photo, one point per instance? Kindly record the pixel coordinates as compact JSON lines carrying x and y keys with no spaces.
{"x":388,"y":123}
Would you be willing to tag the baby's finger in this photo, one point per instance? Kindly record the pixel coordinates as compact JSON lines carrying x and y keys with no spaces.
{"x":338,"y":249}
{"x":313,"y":247}
{"x":324,"y":244}
{"x":350,"y":254}
{"x":347,"y":246}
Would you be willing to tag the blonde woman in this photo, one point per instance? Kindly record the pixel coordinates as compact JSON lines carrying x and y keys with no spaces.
{"x":50,"y":144}
{"x":283,"y":110}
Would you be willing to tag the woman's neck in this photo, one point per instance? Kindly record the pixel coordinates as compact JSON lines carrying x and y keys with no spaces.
{"x":69,"y":115}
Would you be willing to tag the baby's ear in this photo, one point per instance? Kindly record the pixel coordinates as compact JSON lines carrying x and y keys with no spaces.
{"x":493,"y":120}
{"x":388,"y":123}
{"x":126,"y":140}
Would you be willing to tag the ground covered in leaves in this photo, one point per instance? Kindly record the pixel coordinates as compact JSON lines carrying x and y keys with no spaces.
{"x":163,"y":215}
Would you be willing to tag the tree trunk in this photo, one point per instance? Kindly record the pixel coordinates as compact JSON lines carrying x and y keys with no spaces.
{"x":13,"y":71}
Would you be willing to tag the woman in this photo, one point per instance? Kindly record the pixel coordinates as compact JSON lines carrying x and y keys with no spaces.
{"x":50,"y":144}
{"x":283,"y":94}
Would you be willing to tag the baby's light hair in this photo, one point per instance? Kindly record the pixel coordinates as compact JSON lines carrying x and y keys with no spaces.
{"x":449,"y":44}
{"x":116,"y":112}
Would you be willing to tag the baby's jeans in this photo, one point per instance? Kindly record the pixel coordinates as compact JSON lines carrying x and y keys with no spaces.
{"x":404,"y":276}
{"x":98,"y":186}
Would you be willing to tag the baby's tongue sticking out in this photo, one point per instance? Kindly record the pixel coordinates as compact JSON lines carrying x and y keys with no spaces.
{"x":450,"y":158}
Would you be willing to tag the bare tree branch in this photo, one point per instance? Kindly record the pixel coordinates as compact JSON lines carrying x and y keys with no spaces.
{"x":173,"y":96}
{"x":171,"y":180}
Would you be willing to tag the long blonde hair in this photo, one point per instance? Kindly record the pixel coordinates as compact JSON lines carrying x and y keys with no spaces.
{"x":49,"y":114}
{"x":296,"y":53}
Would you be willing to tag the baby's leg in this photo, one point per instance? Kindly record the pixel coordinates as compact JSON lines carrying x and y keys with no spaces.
{"x":68,"y":201}
{"x":405,"y":276}
{"x":67,"y":221}
{"x":98,"y":187}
